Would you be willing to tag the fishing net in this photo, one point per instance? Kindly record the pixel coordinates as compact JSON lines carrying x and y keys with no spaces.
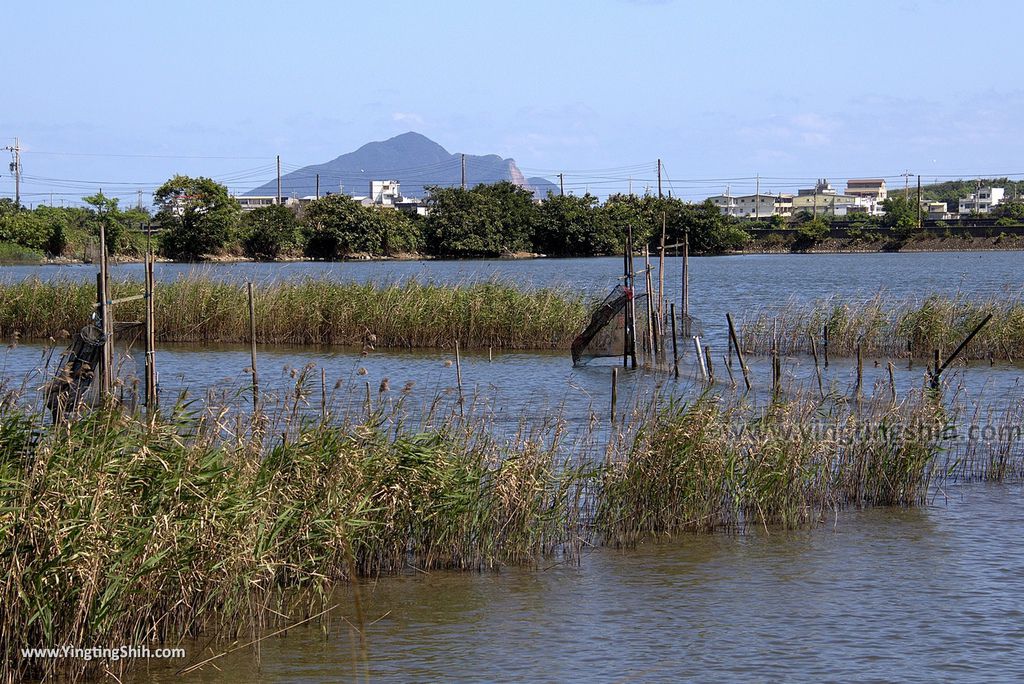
{"x":605,"y":334}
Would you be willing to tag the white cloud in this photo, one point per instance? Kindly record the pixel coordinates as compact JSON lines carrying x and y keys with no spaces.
{"x":408,"y":117}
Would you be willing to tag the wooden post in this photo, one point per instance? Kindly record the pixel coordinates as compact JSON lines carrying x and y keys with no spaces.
{"x":615,"y":391}
{"x":490,"y":354}
{"x":776,"y":371}
{"x":625,"y":308}
{"x":686,"y":283}
{"x":150,"y":333}
{"x":710,"y":365}
{"x":632,"y":301}
{"x":652,"y":325}
{"x":860,"y":369}
{"x":739,"y":352}
{"x":675,"y":343}
{"x":728,"y":369}
{"x":817,"y":368}
{"x":892,"y":381}
{"x":825,"y":345}
{"x":661,"y":283}
{"x":323,"y":393}
{"x":252,"y":350}
{"x":700,"y":358}
{"x":458,"y":377}
{"x":106,"y":314}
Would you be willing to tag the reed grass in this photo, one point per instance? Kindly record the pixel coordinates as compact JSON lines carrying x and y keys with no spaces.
{"x":893,"y":328}
{"x":410,"y":314}
{"x":118,"y":529}
{"x":713,"y":465}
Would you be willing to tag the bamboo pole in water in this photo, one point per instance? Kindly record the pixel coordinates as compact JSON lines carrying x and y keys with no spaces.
{"x":458,"y":377}
{"x":652,"y":333}
{"x":106,"y":313}
{"x":817,"y":368}
{"x":710,"y":365}
{"x":252,"y":349}
{"x":686,"y":283}
{"x":739,"y":352}
{"x":615,"y":391}
{"x":860,"y":369}
{"x":625,"y":308}
{"x":632,"y":299}
{"x":700,"y":358}
{"x":661,"y":283}
{"x":675,"y":342}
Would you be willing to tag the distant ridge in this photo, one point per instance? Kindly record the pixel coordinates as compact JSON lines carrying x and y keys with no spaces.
{"x":412,"y":159}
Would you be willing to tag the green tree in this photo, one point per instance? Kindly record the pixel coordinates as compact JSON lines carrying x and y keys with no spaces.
{"x":900,"y":215}
{"x":514,"y":215}
{"x":198,"y":215}
{"x":333,"y":226}
{"x":389,"y":231}
{"x":1013,"y":210}
{"x":268,"y":232}
{"x":810,"y":233}
{"x":568,"y":225}
{"x":461,"y":223}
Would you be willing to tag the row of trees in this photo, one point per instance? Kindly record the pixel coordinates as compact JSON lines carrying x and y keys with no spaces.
{"x":485,"y":221}
{"x":198,"y":218}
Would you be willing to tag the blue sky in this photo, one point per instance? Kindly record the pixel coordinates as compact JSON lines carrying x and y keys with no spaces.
{"x":720,"y":91}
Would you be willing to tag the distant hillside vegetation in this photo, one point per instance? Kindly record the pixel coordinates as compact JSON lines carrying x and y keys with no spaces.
{"x":950,"y":192}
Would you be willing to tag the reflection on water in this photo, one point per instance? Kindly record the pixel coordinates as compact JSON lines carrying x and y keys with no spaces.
{"x":927,"y":594}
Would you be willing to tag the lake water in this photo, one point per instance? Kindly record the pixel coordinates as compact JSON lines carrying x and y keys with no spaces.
{"x":929,"y":594}
{"x":882,"y":595}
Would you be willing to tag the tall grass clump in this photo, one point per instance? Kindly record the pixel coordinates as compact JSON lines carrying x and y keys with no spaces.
{"x":716,"y":464}
{"x":893,"y":328}
{"x":409,"y":314}
{"x":116,"y":530}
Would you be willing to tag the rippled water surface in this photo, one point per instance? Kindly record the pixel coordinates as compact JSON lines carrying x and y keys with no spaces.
{"x":928,"y":594}
{"x":923,"y":595}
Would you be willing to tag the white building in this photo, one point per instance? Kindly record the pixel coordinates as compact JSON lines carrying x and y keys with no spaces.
{"x":250,"y":202}
{"x":869,"y":188}
{"x":746,"y":206}
{"x":384,"y":192}
{"x":983,"y":201}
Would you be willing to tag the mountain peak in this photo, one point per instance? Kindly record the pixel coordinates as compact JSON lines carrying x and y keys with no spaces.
{"x":411,"y":158}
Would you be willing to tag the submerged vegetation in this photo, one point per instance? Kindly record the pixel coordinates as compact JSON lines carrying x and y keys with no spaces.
{"x":121,"y":529}
{"x":409,"y":314}
{"x":897,"y":329}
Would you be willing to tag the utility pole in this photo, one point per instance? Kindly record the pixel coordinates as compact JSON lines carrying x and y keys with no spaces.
{"x":278,"y":179}
{"x":463,"y":172}
{"x":561,"y":185}
{"x":919,"y":202}
{"x":318,"y":186}
{"x":659,"y":179}
{"x":757,"y":198}
{"x":906,"y":184}
{"x":16,"y":170}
